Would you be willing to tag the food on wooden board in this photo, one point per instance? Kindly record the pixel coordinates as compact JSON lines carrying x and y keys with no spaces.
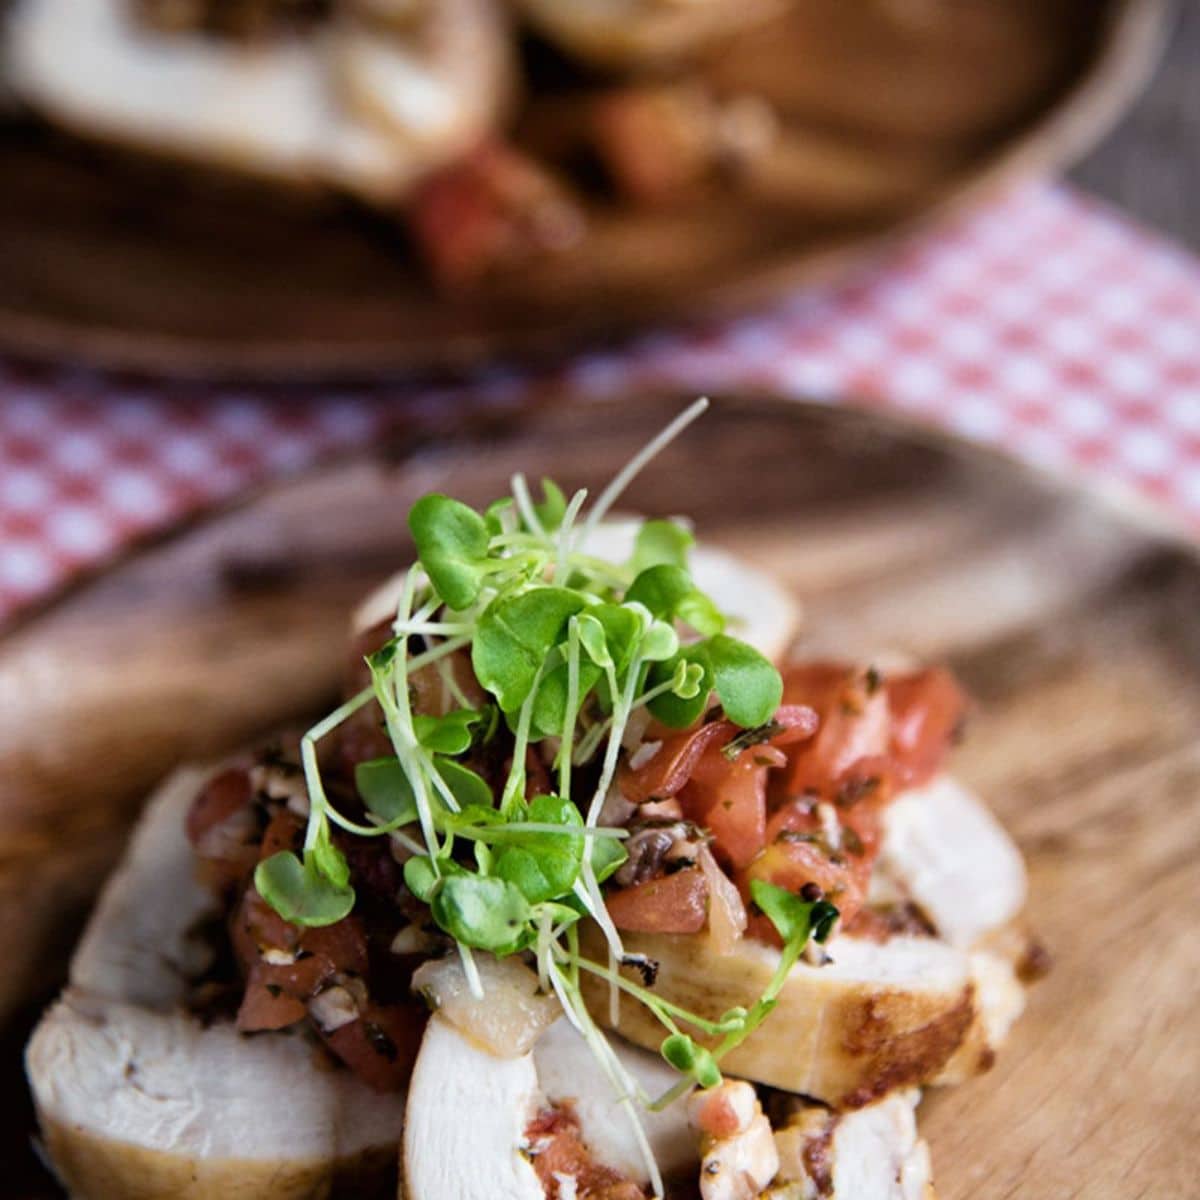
{"x":569,"y":791}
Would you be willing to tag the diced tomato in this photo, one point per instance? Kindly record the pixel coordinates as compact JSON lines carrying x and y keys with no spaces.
{"x":223,"y":828}
{"x":492,"y":208}
{"x":730,"y":800}
{"x":676,"y":903}
{"x":285,"y":831}
{"x":381,"y":1046}
{"x":673,"y":764}
{"x":284,"y":965}
{"x":792,"y":862}
{"x":927,"y":709}
{"x":855,"y":723}
{"x":716,"y":1111}
{"x":559,"y":1153}
{"x":797,"y":723}
{"x":797,"y":854}
{"x":266,"y":1006}
{"x":225,"y":794}
{"x":728,"y":796}
{"x":725,"y":795}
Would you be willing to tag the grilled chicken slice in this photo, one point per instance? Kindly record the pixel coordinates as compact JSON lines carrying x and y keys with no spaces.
{"x":136,"y":1098}
{"x":349,"y":104}
{"x":881,"y":1014}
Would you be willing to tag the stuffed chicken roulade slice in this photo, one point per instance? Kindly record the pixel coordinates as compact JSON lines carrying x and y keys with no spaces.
{"x":357,"y":99}
{"x":547,"y":1125}
{"x":136,"y":1097}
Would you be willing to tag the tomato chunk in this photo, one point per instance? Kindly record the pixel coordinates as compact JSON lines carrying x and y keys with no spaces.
{"x":730,"y":800}
{"x":927,"y":710}
{"x":381,"y":1046}
{"x":855,"y":722}
{"x":675,"y":903}
{"x":673,"y":764}
{"x":492,"y":209}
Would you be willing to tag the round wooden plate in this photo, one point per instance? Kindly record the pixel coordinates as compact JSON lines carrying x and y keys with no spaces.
{"x":1073,"y":624}
{"x":899,"y":113}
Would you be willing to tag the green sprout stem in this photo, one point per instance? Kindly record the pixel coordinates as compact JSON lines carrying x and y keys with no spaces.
{"x":520,"y":491}
{"x":566,"y":539}
{"x":634,"y":466}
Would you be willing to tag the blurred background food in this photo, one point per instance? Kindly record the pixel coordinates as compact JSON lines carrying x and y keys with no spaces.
{"x":541,"y":168}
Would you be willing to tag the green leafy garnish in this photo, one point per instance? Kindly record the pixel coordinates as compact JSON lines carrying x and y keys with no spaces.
{"x":299,"y":892}
{"x":691,"y":1059}
{"x":748,"y":686}
{"x":514,"y":636}
{"x":483,"y":912}
{"x":669,"y":594}
{"x":791,"y":916}
{"x":450,"y":734}
{"x":452,"y":545}
{"x":686,"y":681}
{"x":661,"y":542}
{"x":553,"y":508}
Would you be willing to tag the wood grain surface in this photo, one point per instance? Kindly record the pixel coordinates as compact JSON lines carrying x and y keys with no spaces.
{"x":897,"y":113}
{"x":1075,"y":625}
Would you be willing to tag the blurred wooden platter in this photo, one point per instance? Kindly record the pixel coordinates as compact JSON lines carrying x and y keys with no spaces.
{"x":895,"y":113}
{"x":1075,"y":624}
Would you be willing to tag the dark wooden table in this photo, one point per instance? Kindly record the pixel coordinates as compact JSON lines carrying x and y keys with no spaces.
{"x":1150,"y":165}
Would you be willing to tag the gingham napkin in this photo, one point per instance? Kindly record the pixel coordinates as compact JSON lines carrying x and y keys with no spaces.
{"x":1043,"y":323}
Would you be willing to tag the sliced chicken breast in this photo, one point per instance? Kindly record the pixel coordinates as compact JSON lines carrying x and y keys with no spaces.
{"x":368,"y":111}
{"x":469,"y":1112}
{"x":467,"y":1132}
{"x":137,"y":1098}
{"x":872,"y":1154}
{"x":879,"y":1015}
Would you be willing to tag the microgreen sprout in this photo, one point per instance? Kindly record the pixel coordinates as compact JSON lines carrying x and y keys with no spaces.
{"x":564,"y":647}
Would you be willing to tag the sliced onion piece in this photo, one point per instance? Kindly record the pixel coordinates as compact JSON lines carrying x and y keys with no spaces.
{"x":511,"y":1015}
{"x":726,"y":913}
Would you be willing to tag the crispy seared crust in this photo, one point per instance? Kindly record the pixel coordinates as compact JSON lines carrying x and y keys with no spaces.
{"x":97,"y":1168}
{"x":999,"y":964}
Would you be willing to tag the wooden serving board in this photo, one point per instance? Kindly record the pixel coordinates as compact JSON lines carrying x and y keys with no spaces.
{"x":1075,"y":624}
{"x":893,"y":113}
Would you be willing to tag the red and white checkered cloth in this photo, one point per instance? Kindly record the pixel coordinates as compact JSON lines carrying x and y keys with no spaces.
{"x":1043,"y":323}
